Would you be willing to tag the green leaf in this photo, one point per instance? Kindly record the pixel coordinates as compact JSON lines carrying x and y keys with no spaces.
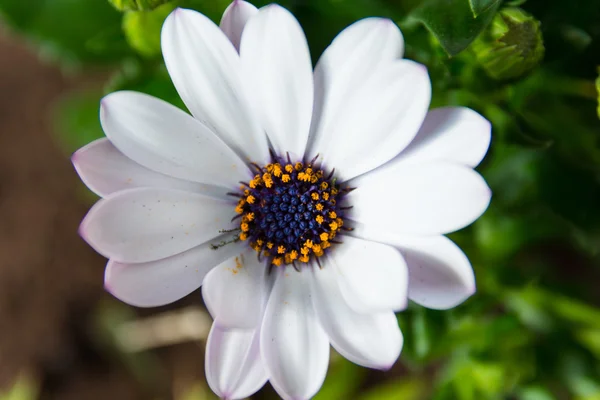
{"x":480,"y":6}
{"x":142,"y":29}
{"x":452,"y":22}
{"x":71,"y":31}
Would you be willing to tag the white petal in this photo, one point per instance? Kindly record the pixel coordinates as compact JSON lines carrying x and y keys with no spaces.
{"x":165,"y":139}
{"x":378,"y":120}
{"x":165,"y":281}
{"x":354,"y":55}
{"x":453,"y":134}
{"x":235,"y":291}
{"x":293,"y":345}
{"x":147,"y":224}
{"x":373,"y":276}
{"x":234,"y":369}
{"x":440,"y":274}
{"x":235,"y":18}
{"x":206,"y":71}
{"x":370,"y":340}
{"x":278,"y":71}
{"x":419,"y":199}
{"x":106,"y":170}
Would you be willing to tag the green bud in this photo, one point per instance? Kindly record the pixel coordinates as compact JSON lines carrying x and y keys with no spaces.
{"x":511,"y":46}
{"x":142,"y":29}
{"x":137,"y":5}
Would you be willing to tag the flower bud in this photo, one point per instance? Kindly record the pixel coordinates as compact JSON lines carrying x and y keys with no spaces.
{"x":137,"y":5}
{"x":511,"y":46}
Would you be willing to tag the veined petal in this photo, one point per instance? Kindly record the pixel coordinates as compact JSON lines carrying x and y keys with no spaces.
{"x":235,"y":291}
{"x":373,"y":277}
{"x":147,"y":224}
{"x":165,"y":139}
{"x":371,"y":340}
{"x":293,"y":344}
{"x":156,"y":283}
{"x":381,"y":117}
{"x":105,"y":170}
{"x":353,"y":57}
{"x":427,"y":199}
{"x":234,"y":369}
{"x":206,"y":71}
{"x":278,"y":71}
{"x":234,"y":19}
{"x":452,"y":134}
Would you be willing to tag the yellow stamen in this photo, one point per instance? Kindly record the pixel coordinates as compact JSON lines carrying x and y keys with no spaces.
{"x":308,"y":243}
{"x":250,"y":199}
{"x":309,"y":171}
{"x":333,"y":225}
{"x":324,"y":236}
{"x":325,"y":245}
{"x":259,"y":242}
{"x":250,"y":216}
{"x":319,"y":207}
{"x":319,"y":219}
{"x":277,"y":170}
{"x":246,"y":192}
{"x":325,"y":196}
{"x":334,"y":191}
{"x":289,"y":168}
{"x":313,"y":179}
{"x":243,"y":236}
{"x":299,"y":166}
{"x":285,"y":178}
{"x":303,"y":259}
{"x":277,"y":261}
{"x":315,"y":196}
{"x":245,"y":227}
{"x":340,"y":222}
{"x":281,"y":250}
{"x":305,"y":250}
{"x":268,"y":180}
{"x":324,"y":185}
{"x":270,"y":245}
{"x":332,"y":215}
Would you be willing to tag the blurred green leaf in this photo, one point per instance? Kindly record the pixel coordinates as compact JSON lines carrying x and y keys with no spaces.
{"x":24,"y":388}
{"x":406,"y":389}
{"x":76,"y":120}
{"x":481,"y":6}
{"x":142,"y":29}
{"x":70,"y":31}
{"x":452,"y":22}
{"x":343,"y":378}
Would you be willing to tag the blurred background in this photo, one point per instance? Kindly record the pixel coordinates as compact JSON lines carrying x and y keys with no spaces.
{"x":531,"y":332}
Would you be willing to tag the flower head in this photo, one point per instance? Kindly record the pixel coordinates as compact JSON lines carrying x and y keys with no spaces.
{"x":308,"y":205}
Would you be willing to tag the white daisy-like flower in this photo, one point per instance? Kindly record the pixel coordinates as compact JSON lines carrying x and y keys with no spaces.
{"x":309,"y":205}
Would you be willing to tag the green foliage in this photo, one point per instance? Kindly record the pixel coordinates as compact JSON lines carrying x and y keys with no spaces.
{"x":532,"y":331}
{"x":142,"y":29}
{"x":452,"y":22}
{"x":481,"y":6}
{"x":69,"y":31}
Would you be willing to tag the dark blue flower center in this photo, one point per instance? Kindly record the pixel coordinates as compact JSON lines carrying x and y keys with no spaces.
{"x":290,"y":212}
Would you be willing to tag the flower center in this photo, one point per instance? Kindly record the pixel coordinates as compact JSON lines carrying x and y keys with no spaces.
{"x":290,"y":212}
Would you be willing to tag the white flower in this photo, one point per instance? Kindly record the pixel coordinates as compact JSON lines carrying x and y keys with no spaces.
{"x":165,"y":220}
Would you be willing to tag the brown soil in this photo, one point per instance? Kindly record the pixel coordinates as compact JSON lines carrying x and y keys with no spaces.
{"x":50,"y":281}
